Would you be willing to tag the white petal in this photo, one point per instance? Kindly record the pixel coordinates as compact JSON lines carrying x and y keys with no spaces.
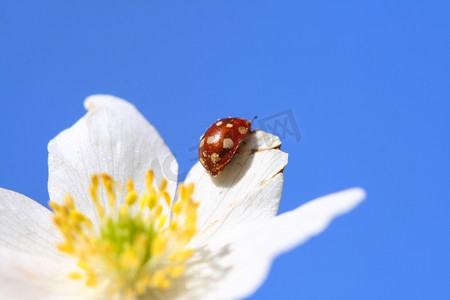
{"x":250,"y":250}
{"x":30,"y":265}
{"x":248,"y":189}
{"x":113,"y":138}
{"x":26,"y":226}
{"x":25,"y":276}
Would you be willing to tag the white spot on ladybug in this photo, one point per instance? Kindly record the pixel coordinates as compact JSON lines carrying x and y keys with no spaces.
{"x":242,"y":130}
{"x":202,"y":142}
{"x":229,"y":125}
{"x":227,"y":143}
{"x":212,"y":139}
{"x":215,"y":157}
{"x":219,"y":123}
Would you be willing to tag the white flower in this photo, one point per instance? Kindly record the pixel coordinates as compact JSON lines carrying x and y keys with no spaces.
{"x":126,"y":238}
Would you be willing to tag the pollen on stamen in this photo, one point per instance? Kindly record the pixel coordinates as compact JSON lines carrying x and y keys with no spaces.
{"x":137,"y":245}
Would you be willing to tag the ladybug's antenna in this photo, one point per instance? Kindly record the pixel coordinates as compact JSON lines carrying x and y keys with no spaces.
{"x":254,"y":118}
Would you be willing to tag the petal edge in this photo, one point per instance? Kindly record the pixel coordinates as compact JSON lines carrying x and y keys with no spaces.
{"x":256,"y":245}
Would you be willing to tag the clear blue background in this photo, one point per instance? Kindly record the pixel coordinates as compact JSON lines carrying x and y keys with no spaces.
{"x":367,"y":83}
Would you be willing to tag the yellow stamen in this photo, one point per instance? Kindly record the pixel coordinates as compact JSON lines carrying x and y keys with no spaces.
{"x":69,"y":201}
{"x":163,"y":185}
{"x":91,"y":280}
{"x":149,"y":180}
{"x":129,"y":259}
{"x":159,"y":245}
{"x":93,"y":191}
{"x":75,"y":275}
{"x":161,"y":222}
{"x":134,"y":249}
{"x":175,"y":271}
{"x":160,"y":280}
{"x":108,"y":185}
{"x":152,"y":201}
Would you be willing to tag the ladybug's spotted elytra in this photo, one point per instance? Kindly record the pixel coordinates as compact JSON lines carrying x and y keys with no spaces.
{"x":220,"y":142}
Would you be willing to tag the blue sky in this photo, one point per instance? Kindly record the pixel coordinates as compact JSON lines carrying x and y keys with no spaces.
{"x":365,"y":84}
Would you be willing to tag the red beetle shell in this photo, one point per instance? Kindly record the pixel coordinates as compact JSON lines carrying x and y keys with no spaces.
{"x":220,"y":142}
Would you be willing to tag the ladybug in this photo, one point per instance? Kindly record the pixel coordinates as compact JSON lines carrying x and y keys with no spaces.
{"x":220,"y":142}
